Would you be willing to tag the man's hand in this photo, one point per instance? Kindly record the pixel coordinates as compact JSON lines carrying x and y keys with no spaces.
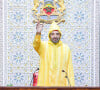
{"x":39,"y":27}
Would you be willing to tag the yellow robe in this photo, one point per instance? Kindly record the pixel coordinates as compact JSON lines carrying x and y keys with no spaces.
{"x":54,"y":59}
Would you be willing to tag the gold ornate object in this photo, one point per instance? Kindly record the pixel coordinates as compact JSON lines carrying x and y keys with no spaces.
{"x":47,"y":11}
{"x":61,"y":4}
{"x":36,"y":5}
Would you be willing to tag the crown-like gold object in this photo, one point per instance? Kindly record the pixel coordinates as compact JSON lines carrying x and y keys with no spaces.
{"x":47,"y":11}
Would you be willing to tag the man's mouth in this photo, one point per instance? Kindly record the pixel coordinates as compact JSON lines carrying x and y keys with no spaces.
{"x":55,"y":39}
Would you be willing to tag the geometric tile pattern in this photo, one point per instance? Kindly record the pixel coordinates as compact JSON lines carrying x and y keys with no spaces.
{"x":22,"y":59}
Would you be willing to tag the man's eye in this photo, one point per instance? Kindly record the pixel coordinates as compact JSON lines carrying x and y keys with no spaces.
{"x":58,"y":34}
{"x":52,"y":34}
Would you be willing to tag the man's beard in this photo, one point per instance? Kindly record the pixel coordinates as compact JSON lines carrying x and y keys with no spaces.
{"x":55,"y":40}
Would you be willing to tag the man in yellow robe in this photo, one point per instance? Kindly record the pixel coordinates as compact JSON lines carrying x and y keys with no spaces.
{"x":56,"y":67}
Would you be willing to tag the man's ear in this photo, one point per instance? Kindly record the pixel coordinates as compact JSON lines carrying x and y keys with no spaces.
{"x":49,"y":35}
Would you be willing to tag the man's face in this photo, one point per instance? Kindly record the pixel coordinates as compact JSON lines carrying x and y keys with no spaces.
{"x":55,"y":36}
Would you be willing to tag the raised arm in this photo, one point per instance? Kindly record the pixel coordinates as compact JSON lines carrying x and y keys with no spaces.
{"x":37,"y":39}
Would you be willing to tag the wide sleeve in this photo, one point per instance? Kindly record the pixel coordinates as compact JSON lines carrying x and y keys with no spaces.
{"x":37,"y":43}
{"x":70,"y":71}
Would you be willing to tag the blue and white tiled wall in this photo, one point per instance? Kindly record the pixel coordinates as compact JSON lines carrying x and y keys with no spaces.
{"x":22,"y":60}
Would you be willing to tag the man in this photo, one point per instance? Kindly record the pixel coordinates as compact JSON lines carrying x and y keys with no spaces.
{"x":56,"y":67}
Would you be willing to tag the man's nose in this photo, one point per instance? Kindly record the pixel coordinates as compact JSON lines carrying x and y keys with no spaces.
{"x":55,"y":35}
